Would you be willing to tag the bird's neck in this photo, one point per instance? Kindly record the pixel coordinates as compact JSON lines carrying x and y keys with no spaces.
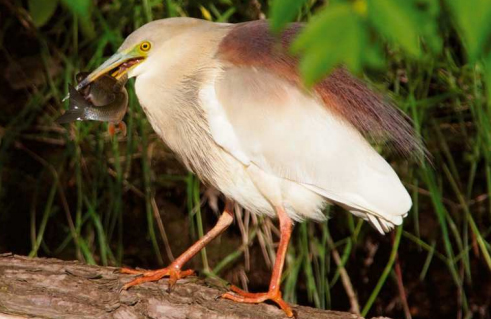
{"x":168,"y":95}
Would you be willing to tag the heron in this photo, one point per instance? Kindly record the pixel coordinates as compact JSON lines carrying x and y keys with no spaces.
{"x":228,"y":99}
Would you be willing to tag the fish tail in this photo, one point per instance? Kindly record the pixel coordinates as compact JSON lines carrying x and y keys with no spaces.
{"x":76,"y":108}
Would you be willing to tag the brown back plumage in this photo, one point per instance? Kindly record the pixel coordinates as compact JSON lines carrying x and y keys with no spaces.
{"x":252,"y":44}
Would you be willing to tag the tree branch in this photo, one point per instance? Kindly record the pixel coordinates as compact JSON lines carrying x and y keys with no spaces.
{"x":51,"y":288}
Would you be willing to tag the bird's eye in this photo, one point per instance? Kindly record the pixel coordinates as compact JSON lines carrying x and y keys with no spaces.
{"x":145,"y":46}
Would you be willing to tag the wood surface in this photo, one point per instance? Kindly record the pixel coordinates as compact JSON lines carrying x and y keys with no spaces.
{"x":52,"y":288}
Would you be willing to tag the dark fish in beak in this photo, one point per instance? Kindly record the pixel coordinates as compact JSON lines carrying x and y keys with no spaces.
{"x":104,"y":99}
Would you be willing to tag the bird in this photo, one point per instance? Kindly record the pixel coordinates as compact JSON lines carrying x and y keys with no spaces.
{"x":229,"y":100}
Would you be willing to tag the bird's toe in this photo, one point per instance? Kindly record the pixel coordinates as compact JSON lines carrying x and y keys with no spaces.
{"x":239,"y":295}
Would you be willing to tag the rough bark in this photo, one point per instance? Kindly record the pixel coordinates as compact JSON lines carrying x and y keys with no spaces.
{"x":51,"y":288}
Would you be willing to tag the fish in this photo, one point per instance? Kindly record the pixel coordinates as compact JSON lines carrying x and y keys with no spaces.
{"x":105,"y":100}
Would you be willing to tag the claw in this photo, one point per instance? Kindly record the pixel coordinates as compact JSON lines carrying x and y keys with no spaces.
{"x":156,"y":275}
{"x":239,"y":295}
{"x":130,"y":271}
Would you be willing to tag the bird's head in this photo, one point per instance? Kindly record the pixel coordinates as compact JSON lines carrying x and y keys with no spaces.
{"x":139,"y":51}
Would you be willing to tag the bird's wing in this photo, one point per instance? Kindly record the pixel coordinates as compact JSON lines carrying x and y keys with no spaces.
{"x":262,"y":119}
{"x":251,"y":45}
{"x":261,"y":115}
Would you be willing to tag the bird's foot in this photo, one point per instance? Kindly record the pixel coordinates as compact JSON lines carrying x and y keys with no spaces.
{"x":112,"y":128}
{"x":173,"y":273}
{"x":240,"y":295}
{"x":122,"y":128}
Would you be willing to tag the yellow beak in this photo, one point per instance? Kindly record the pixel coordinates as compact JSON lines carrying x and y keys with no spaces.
{"x":117,"y":65}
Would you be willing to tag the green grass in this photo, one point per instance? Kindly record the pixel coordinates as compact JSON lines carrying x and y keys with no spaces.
{"x":78,"y":193}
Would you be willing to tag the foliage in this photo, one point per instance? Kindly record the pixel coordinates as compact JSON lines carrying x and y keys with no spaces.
{"x":77,"y":193}
{"x":354,"y":31}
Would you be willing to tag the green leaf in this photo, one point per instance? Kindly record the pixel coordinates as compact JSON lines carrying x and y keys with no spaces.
{"x":83,"y":10}
{"x":41,"y":11}
{"x":79,"y":7}
{"x":373,"y":56}
{"x":336,"y":36}
{"x":473,"y":22}
{"x":428,"y":15}
{"x":284,"y":11}
{"x":322,"y":28}
{"x":487,"y":77}
{"x":398,"y":21}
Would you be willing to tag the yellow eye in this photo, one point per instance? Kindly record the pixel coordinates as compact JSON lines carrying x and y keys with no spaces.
{"x":145,"y":46}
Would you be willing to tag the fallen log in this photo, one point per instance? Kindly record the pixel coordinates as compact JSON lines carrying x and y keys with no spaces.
{"x":52,"y":288}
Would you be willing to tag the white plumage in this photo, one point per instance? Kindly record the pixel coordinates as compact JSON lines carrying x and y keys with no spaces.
{"x":263,"y":124}
{"x":296,"y":139}
{"x":228,"y":100}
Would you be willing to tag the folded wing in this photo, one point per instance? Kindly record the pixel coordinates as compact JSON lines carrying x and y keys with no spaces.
{"x":260,"y":113}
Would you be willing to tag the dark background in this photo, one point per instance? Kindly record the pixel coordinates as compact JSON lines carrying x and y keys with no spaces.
{"x":73,"y":192}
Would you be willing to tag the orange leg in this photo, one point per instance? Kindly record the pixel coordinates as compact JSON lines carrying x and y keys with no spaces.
{"x":173,"y":271}
{"x":122,"y":128}
{"x":274,"y":293}
{"x":111,"y":129}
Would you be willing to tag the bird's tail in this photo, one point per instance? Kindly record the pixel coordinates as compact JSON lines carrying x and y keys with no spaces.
{"x":76,"y":107}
